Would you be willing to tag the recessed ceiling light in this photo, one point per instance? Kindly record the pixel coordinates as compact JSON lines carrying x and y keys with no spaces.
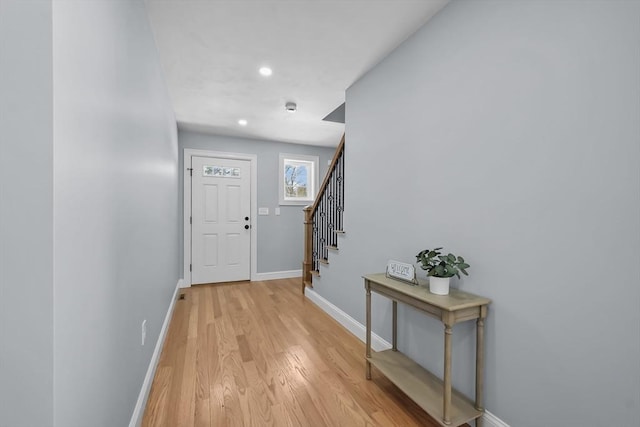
{"x":266,"y":71}
{"x":242,"y":122}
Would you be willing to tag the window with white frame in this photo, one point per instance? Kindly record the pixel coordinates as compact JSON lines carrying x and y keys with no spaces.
{"x":298,"y":179}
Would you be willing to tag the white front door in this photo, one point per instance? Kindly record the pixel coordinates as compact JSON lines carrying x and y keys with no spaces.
{"x":220,"y":214}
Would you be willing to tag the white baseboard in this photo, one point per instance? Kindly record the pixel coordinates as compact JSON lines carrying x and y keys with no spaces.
{"x":491,"y":420}
{"x":351,"y":324}
{"x":278,"y":275}
{"x":138,"y":411}
{"x":183,"y":284}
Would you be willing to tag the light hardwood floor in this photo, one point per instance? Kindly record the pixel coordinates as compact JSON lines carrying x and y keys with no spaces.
{"x":261,"y":354}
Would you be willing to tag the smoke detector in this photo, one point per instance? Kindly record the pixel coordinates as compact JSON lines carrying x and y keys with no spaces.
{"x":291,"y":107}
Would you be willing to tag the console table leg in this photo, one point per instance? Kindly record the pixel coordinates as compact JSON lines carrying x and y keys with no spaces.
{"x":368,"y":369}
{"x":395,"y":326}
{"x":480,"y":365}
{"x":446,"y":404}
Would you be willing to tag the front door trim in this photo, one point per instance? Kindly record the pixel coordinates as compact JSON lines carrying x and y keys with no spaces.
{"x":253,"y":159}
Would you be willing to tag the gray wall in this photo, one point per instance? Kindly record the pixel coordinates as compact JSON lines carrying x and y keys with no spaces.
{"x":280,"y":238}
{"x":26,"y":215}
{"x":508,"y":132}
{"x":115,"y":208}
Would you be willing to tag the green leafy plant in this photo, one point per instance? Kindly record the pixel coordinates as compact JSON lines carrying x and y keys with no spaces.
{"x":440,"y":265}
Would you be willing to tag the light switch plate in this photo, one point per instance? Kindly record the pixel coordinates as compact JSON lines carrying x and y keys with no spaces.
{"x":263,"y":211}
{"x":277,"y":211}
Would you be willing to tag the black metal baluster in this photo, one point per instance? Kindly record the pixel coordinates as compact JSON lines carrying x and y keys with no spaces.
{"x":325,"y":241}
{"x":322,"y":226}
{"x":331,"y":207}
{"x":341,"y":190}
{"x":314,"y":254}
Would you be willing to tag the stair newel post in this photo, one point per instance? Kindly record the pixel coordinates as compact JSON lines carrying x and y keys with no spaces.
{"x":308,"y":246}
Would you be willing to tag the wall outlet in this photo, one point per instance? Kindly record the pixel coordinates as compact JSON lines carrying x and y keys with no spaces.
{"x":144,"y":330}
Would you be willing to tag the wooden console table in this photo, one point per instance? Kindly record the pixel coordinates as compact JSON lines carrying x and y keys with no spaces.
{"x":435,"y":396}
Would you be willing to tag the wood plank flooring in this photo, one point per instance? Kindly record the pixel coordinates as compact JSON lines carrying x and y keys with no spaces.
{"x":261,"y":354}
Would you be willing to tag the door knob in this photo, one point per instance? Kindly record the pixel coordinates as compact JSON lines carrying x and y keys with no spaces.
{"x":246,"y":218}
{"x":246,"y":227}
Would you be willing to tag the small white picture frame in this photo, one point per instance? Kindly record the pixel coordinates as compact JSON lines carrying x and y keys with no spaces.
{"x":402,"y":271}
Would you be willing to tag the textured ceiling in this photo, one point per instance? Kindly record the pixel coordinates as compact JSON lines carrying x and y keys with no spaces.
{"x":211,"y":52}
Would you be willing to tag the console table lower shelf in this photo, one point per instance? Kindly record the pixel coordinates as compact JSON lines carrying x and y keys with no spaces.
{"x":424,"y":388}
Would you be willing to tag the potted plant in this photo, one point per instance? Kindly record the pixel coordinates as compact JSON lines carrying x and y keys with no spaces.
{"x":441,"y":268}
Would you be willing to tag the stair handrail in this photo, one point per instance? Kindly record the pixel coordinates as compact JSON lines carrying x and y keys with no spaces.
{"x":327,"y":177}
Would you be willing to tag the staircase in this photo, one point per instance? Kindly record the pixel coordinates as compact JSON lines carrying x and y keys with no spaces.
{"x":323,"y":220}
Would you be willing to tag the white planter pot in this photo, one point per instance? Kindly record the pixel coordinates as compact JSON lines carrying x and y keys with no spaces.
{"x":439,"y":285}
